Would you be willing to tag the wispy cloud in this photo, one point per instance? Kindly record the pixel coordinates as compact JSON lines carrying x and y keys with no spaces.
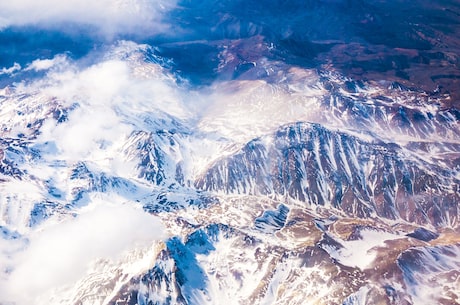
{"x":14,"y":68}
{"x":46,"y":64}
{"x":108,"y":17}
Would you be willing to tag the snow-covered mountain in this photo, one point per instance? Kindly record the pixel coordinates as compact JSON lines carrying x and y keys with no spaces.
{"x":234,"y":170}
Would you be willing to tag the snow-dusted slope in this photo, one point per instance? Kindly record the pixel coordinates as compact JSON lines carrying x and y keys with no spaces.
{"x":301,"y":187}
{"x":319,"y":166}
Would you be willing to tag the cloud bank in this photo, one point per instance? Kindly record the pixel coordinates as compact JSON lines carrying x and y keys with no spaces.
{"x":61,"y":253}
{"x":109,"y":17}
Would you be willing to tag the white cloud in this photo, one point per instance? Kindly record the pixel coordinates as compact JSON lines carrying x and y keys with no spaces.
{"x":10,"y":70}
{"x":108,"y":16}
{"x":62,"y":253}
{"x":113,"y":97}
{"x":86,"y":132}
{"x":45,"y":64}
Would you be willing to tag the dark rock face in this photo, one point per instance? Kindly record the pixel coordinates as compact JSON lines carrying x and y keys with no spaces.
{"x":160,"y":279}
{"x":272,"y":221}
{"x":8,"y":168}
{"x":14,"y":152}
{"x":153,"y":153}
{"x":151,"y":158}
{"x":310,"y":163}
{"x":423,"y":234}
{"x":94,"y":181}
{"x":178,"y":272}
{"x":241,"y":173}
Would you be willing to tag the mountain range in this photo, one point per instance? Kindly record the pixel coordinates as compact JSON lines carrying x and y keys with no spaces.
{"x":230,"y":152}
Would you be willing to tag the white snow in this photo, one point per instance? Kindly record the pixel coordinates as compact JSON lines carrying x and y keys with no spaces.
{"x":16,"y":202}
{"x":360,"y":253}
{"x":359,"y":297}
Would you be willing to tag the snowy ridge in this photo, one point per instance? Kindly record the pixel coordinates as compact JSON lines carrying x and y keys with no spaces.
{"x":389,"y":110}
{"x":310,"y":163}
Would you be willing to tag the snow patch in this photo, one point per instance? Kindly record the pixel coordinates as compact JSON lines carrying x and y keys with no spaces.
{"x":360,"y":253}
